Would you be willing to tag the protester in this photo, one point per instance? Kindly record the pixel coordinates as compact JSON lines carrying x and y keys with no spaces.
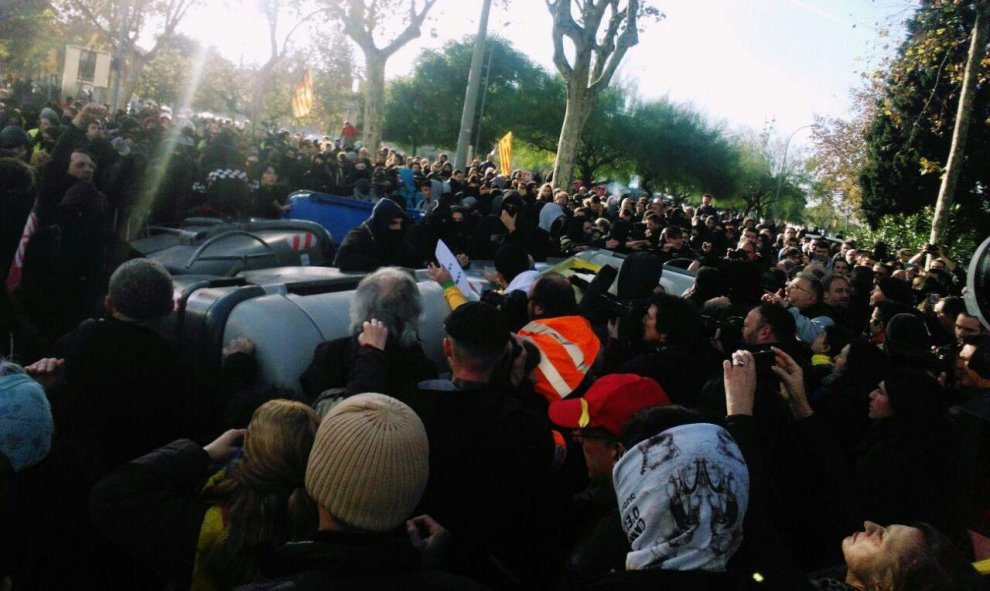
{"x":598,"y":420}
{"x":121,"y":383}
{"x":830,"y":430}
{"x":366,"y":473}
{"x":153,"y":507}
{"x":379,"y":242}
{"x":386,"y":301}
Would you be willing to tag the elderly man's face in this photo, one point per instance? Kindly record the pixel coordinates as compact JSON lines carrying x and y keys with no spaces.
{"x":800,"y":293}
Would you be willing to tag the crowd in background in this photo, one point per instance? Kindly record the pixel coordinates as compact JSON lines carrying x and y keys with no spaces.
{"x":810,"y":414}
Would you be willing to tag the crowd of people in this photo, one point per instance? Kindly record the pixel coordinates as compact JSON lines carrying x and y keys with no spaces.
{"x":810,"y":414}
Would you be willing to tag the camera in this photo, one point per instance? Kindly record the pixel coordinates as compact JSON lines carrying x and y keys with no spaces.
{"x":944,"y":360}
{"x":728,"y":330}
{"x":615,"y":308}
{"x":710,"y":324}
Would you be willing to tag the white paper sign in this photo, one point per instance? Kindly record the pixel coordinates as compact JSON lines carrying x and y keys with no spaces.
{"x":449,"y":262}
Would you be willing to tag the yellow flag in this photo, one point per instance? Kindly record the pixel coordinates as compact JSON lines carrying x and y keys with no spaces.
{"x":303,"y":96}
{"x":505,"y":154}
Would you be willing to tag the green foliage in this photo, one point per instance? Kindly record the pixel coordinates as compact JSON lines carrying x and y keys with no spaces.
{"x":219,"y":85}
{"x":674,"y":148}
{"x":25,"y":35}
{"x":911,"y":231}
{"x":909,"y":137}
{"x":425,"y":108}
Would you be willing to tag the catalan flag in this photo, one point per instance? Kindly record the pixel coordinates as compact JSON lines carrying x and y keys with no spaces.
{"x":303,"y":96}
{"x":505,"y":154}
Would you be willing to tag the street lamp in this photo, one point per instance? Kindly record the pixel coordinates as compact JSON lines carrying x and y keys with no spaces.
{"x":783,"y":169}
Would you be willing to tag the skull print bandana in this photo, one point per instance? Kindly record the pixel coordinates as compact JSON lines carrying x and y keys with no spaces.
{"x":682,"y":497}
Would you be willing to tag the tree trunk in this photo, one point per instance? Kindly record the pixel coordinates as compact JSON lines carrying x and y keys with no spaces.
{"x":579,"y":106}
{"x":953,"y":167}
{"x":374,"y":101}
{"x":259,"y":86}
{"x":130,"y":83}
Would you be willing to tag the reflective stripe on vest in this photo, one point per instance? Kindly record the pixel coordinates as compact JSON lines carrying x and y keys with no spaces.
{"x":568,"y":347}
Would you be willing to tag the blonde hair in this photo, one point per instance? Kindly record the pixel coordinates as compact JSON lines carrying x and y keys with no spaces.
{"x":265,"y":490}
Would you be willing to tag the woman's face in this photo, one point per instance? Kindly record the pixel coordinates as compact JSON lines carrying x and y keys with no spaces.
{"x":842,"y":358}
{"x":871,"y":553}
{"x":819,"y":346}
{"x":880,"y":403}
{"x":650,"y":334}
{"x":269,"y":177}
{"x":840,"y":267}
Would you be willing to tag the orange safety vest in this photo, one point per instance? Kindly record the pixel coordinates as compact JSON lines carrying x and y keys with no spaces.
{"x":568,"y":348}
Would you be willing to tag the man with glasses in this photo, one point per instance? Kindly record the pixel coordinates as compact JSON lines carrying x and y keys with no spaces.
{"x":597,"y":420}
{"x":803,"y":300}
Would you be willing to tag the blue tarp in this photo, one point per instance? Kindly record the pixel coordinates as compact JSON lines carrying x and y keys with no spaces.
{"x":336,"y":214}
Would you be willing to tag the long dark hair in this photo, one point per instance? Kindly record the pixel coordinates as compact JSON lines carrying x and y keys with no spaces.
{"x":939,"y":566}
{"x":264,"y":492}
{"x":677,"y":320}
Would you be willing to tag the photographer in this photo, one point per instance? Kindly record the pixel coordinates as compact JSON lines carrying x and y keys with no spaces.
{"x":678,"y":357}
{"x":936,"y":252}
{"x":802,"y":298}
{"x":484,"y":445}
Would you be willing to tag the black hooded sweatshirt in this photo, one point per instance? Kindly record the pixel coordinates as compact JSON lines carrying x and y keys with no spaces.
{"x":372,"y":245}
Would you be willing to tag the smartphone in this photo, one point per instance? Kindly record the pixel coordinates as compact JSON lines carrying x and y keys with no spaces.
{"x":764,"y":361}
{"x":933,"y":299}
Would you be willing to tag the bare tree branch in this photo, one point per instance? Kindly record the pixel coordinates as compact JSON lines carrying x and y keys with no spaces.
{"x":412,"y":30}
{"x":628,"y":38}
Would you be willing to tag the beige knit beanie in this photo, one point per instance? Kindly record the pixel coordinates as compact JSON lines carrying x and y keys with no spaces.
{"x":369,"y":463}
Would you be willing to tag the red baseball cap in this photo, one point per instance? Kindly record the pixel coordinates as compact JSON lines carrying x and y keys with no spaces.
{"x":609,"y":403}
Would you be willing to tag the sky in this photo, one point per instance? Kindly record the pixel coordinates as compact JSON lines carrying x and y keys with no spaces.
{"x":742,"y":62}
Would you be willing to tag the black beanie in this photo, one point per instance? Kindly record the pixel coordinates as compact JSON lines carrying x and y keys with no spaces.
{"x":914,"y":395}
{"x":896,"y":290}
{"x":511,"y":260}
{"x":479,"y":324}
{"x":907,"y":338}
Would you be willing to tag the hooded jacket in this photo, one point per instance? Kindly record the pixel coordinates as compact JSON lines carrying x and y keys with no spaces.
{"x":372,"y":245}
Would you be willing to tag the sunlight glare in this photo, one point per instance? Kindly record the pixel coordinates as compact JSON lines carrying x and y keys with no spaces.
{"x":237,"y":30}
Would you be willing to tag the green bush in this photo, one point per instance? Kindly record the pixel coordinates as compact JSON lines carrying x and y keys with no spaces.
{"x":912,"y":232}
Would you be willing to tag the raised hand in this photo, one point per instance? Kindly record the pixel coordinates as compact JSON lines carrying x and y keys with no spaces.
{"x":791,"y":383}
{"x":373,"y":334}
{"x":48,"y":372}
{"x":739,"y":376}
{"x":222,"y":448}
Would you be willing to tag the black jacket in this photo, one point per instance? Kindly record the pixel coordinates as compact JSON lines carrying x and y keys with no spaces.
{"x":358,"y":562}
{"x":130,"y":393}
{"x":655,"y":579}
{"x":393,"y":371}
{"x":490,"y":462}
{"x":601,"y":545}
{"x":372,"y":245}
{"x":149,"y":508}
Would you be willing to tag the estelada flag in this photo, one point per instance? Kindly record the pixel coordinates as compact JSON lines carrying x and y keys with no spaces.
{"x":17,"y":264}
{"x":505,"y":154}
{"x":303,"y":96}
